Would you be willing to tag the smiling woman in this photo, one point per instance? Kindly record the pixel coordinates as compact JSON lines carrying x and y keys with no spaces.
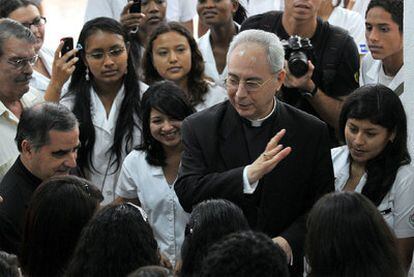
{"x":375,"y":161}
{"x":172,"y":54}
{"x":158,"y":158}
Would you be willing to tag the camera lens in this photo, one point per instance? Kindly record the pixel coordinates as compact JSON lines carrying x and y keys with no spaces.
{"x":298,"y":64}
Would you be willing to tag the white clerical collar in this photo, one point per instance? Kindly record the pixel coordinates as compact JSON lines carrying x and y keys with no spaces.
{"x":259,"y":122}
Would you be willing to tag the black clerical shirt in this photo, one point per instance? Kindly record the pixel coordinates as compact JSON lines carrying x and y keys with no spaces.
{"x":16,"y":189}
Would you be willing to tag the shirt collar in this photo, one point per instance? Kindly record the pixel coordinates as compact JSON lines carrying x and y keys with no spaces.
{"x":259,"y":122}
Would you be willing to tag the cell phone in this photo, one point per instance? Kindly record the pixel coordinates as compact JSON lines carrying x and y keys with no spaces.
{"x":67,"y":45}
{"x":136,"y":7}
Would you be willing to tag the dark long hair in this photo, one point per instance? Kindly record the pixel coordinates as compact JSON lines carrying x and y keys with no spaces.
{"x":209,"y":222}
{"x":114,"y":243}
{"x":381,"y":106}
{"x":9,"y":6}
{"x":59,"y":209}
{"x":348,"y":237}
{"x":168,"y":98}
{"x":197,"y":86}
{"x":241,"y":14}
{"x":130,"y":107}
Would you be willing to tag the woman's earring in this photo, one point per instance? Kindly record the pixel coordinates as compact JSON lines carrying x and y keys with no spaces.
{"x":87,"y":74}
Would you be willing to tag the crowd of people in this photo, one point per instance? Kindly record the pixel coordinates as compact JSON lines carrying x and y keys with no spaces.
{"x":268,"y":140}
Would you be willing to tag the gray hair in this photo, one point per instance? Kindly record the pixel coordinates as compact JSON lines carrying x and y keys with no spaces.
{"x":10,"y":28}
{"x":36,"y":122}
{"x":270,"y":43}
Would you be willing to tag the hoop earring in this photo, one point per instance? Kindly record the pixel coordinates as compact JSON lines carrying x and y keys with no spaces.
{"x":87,"y":74}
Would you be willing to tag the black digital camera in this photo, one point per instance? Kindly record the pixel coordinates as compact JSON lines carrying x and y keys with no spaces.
{"x":298,"y":51}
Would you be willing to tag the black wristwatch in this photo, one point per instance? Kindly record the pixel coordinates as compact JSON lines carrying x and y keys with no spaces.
{"x":309,"y":94}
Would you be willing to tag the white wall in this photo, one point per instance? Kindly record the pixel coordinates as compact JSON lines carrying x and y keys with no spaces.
{"x":408,"y":96}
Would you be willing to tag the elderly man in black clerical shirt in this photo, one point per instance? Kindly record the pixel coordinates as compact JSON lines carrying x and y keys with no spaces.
{"x":266,"y":156}
{"x":333,"y":65}
{"x":48,"y":139}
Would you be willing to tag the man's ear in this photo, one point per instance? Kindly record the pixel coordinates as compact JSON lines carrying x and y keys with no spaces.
{"x":27,"y":148}
{"x":281,"y":76}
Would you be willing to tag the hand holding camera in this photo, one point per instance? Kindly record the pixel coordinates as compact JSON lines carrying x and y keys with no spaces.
{"x":63,"y":63}
{"x":131,"y":16}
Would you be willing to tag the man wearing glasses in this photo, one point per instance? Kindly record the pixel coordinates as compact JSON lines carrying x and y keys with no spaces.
{"x":17,"y":56}
{"x":269,"y":158}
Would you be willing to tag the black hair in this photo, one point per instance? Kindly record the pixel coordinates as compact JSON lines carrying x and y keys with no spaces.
{"x":197,"y":86}
{"x":115,"y":242}
{"x":37,"y":121}
{"x":245,"y":254}
{"x":58,"y":210}
{"x":168,"y":98}
{"x":209,"y":222}
{"x":393,"y":7}
{"x":130,"y":109}
{"x":348,"y":237}
{"x":152,"y":271}
{"x":381,"y":106}
{"x":241,"y":14}
{"x":9,"y":6}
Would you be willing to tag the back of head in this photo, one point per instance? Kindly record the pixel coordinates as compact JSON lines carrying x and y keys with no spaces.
{"x":348,"y":237}
{"x":210,"y":221}
{"x":152,"y":271}
{"x":13,"y":29}
{"x":268,"y":41}
{"x":36,"y":122}
{"x":393,"y":7}
{"x":59,"y":209}
{"x":114,"y":243}
{"x":245,"y":254}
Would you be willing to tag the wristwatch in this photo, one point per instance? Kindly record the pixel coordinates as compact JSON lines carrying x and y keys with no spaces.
{"x":309,"y":94}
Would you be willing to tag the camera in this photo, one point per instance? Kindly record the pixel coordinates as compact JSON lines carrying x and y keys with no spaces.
{"x":298,"y":51}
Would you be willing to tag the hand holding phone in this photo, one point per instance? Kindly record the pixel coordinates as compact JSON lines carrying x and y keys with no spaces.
{"x":135,"y":7}
{"x":67,"y":45}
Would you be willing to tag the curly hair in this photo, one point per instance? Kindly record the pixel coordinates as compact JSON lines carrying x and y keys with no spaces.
{"x":245,"y":254}
{"x":197,"y":86}
{"x":114,"y":243}
{"x":393,"y":7}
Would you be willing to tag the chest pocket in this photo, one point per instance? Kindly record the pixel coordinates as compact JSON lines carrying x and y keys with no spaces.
{"x":386,"y":208}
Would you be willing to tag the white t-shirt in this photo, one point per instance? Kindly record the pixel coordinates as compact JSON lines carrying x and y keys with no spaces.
{"x":8,"y":128}
{"x":177,"y":10}
{"x":353,"y":22}
{"x":158,"y":199}
{"x":210,"y":67}
{"x":105,"y":178}
{"x":215,"y":94}
{"x":371,"y":70}
{"x":397,"y":207}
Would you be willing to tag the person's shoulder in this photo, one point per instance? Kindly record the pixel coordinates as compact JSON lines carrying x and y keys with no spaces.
{"x":208,"y":115}
{"x":256,"y":21}
{"x":406,"y":172}
{"x":300,"y":117}
{"x":133,"y":158}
